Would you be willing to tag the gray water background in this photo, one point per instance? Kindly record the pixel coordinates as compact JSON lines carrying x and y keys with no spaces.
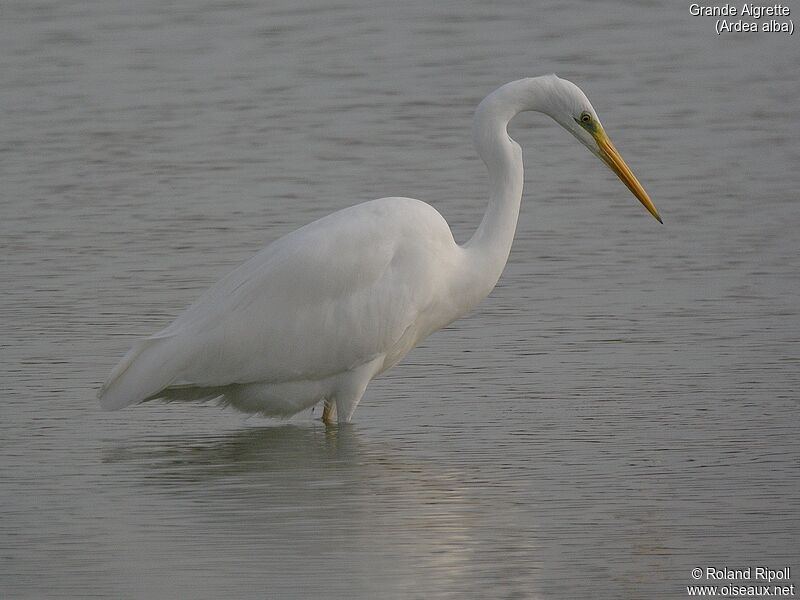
{"x":621,"y":409}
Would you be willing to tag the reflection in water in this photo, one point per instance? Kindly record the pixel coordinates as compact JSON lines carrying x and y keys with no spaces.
{"x":261,"y":449}
{"x":322,"y":494}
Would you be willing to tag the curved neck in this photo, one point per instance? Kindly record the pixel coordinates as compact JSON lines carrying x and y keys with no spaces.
{"x":488,"y":249}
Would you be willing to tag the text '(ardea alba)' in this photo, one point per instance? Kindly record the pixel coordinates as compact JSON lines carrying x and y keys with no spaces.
{"x":318,"y":313}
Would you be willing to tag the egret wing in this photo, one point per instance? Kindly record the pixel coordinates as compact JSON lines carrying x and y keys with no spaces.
{"x":319,"y":301}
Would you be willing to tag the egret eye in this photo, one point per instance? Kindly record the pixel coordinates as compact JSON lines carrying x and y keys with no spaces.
{"x":586,"y":118}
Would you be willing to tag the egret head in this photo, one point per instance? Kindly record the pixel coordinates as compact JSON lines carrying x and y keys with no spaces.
{"x":570,"y":107}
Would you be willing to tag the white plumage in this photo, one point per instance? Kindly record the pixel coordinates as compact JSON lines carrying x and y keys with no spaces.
{"x":321,"y":311}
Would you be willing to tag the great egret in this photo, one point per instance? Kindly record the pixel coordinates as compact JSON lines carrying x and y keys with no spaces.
{"x":318,"y":313}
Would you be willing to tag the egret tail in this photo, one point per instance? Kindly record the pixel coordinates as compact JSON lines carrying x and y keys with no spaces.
{"x":144,"y":371}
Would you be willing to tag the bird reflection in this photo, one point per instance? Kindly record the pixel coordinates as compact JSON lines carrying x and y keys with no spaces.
{"x":265,"y":449}
{"x":271,"y":494}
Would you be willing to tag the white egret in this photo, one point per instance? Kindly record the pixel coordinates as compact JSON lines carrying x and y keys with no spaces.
{"x":317,"y":314}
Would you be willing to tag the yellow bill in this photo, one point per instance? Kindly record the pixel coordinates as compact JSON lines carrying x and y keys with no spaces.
{"x":612,"y":158}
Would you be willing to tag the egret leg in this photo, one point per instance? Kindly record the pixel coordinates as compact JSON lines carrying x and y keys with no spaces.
{"x":353,"y":387}
{"x":328,"y":412}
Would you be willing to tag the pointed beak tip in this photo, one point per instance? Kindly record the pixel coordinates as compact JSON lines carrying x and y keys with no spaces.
{"x":652,"y":210}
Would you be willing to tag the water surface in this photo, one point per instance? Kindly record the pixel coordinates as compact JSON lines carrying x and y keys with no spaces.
{"x":623,"y":408}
